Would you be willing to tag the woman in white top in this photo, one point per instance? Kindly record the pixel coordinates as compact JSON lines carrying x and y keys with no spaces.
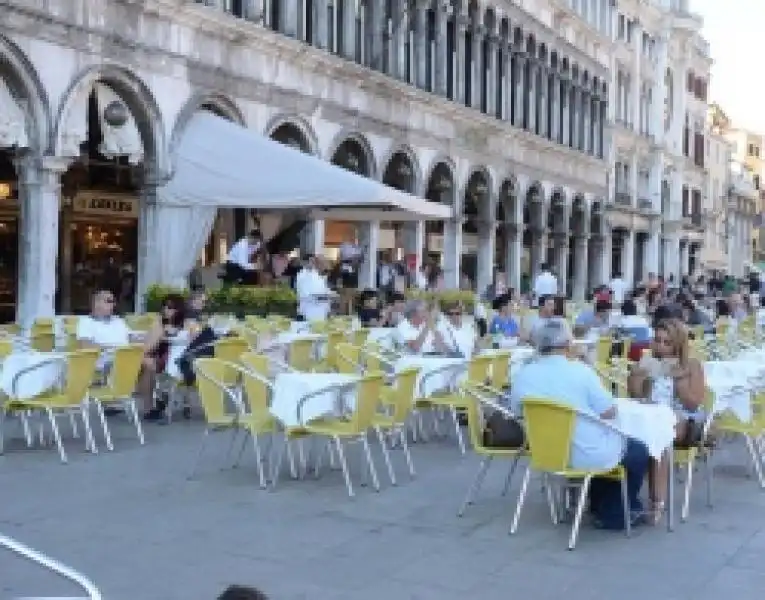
{"x":673,"y":378}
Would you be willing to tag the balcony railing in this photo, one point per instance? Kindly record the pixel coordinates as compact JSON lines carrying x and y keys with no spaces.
{"x":645,"y":204}
{"x":623,"y":199}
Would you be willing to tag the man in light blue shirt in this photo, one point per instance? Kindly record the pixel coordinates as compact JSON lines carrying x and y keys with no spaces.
{"x":573,"y":383}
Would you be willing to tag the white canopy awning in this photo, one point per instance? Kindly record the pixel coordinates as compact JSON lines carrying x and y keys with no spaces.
{"x":222,"y":164}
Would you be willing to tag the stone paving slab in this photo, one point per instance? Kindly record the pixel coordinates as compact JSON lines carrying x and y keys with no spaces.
{"x":133,"y":522}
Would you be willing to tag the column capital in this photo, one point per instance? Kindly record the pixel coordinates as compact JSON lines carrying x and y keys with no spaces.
{"x":463,"y":22}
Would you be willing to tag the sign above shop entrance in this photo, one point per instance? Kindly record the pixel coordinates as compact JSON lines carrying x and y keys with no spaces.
{"x":106,"y":205}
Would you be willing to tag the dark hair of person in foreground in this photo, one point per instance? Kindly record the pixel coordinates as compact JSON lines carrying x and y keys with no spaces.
{"x":242,"y":592}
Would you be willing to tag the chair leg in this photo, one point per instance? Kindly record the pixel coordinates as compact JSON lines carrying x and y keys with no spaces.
{"x":756,"y":461}
{"x":579,"y":512}
{"x":90,"y":440}
{"x":104,"y":425}
{"x":232,"y":441}
{"x":240,"y":454}
{"x":510,"y":473}
{"x":259,"y":460}
{"x":56,"y":435}
{"x":291,"y":458}
{"x":27,"y":429}
{"x":198,"y":458}
{"x":551,"y":502}
{"x":343,"y":465}
{"x":483,"y":468}
{"x":709,"y":476}
{"x":458,"y":430}
{"x":521,"y":500}
{"x":386,"y":455}
{"x":73,"y":425}
{"x":407,"y":453}
{"x":626,"y":505}
{"x":687,"y":490}
{"x":136,"y":420}
{"x":370,"y":463}
{"x":277,"y":464}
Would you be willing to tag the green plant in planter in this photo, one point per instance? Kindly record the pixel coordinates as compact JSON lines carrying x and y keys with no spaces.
{"x":156,"y":295}
{"x":466,"y":298}
{"x":246,"y":300}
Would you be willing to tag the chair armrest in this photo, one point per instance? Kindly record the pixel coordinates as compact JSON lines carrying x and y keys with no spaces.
{"x":333,"y":388}
{"x":226,"y":389}
{"x":50,"y":361}
{"x":445,"y":369}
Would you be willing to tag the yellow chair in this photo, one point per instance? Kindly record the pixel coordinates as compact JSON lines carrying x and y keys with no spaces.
{"x":140,"y":323}
{"x":301,"y":356}
{"x":329,"y":362}
{"x":603,"y":350}
{"x":223,"y":409}
{"x":123,"y":379}
{"x":500,"y":370}
{"x":44,"y":324}
{"x":230,"y":348}
{"x":79,"y":373}
{"x":487,"y":453}
{"x":477,"y":376}
{"x":549,"y":433}
{"x":353,"y":428}
{"x":6,"y":349}
{"x":360,"y":337}
{"x":43,"y":341}
{"x":397,"y":400}
{"x":752,"y":431}
{"x":686,"y":457}
{"x":258,"y":363}
{"x":10,"y":329}
{"x":348,"y":359}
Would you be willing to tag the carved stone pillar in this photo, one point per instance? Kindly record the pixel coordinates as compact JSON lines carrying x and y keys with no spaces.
{"x":513,"y":253}
{"x":39,"y":183}
{"x":555,"y":108}
{"x":585,"y":145}
{"x":453,"y":253}
{"x":421,"y":45}
{"x":543,"y":98}
{"x":560,"y":252}
{"x":532,"y":92}
{"x":477,"y":66}
{"x":440,"y":76}
{"x":519,"y":89}
{"x":460,"y":72}
{"x":320,"y":24}
{"x":491,"y":76}
{"x":507,"y":82}
{"x":576,"y":117}
{"x":565,"y":113}
{"x":595,"y":125}
{"x":349,"y":29}
{"x":580,"y":268}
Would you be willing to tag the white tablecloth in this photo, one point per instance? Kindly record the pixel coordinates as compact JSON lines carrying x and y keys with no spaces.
{"x":289,"y":388}
{"x":652,"y":424}
{"x":383,"y":336}
{"x":733,"y":383}
{"x":34,"y":382}
{"x":428,"y":381}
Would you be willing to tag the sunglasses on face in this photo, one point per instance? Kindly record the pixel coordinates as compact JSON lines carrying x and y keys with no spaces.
{"x":454,"y":314}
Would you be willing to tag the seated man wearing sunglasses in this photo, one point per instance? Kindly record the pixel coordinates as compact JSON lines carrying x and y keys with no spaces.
{"x":102,"y":328}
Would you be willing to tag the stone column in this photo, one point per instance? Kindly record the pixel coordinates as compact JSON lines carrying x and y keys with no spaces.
{"x":487,"y":243}
{"x":476,"y":69}
{"x":538,"y":250}
{"x":519,"y":89}
{"x":441,"y":72}
{"x":288,"y":11}
{"x":320,"y":24}
{"x":421,"y":45}
{"x":684,"y":259}
{"x":628,"y":258}
{"x":312,"y":238}
{"x":39,"y":183}
{"x":349,"y":28}
{"x":566,"y":113}
{"x":586,"y":145}
{"x":597,"y":264}
{"x":555,"y":108}
{"x":414,"y":241}
{"x":656,"y":123}
{"x":462,"y":22}
{"x":595,"y":127}
{"x":560,"y":252}
{"x":602,"y":128}
{"x":653,"y":246}
{"x":532,"y":92}
{"x":580,"y":268}
{"x":507,"y":81}
{"x":375,"y":25}
{"x":543,"y":97}
{"x":369,"y":240}
{"x":491,"y":76}
{"x":452,"y":253}
{"x":576,"y":116}
{"x":513,"y":253}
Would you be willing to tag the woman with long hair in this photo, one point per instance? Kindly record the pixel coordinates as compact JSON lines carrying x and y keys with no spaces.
{"x":670,"y":377}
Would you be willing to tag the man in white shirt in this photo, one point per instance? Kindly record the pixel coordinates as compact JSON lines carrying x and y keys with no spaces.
{"x":458,"y":337}
{"x":312,"y":292}
{"x":619,"y":289}
{"x":239,"y":268}
{"x":102,"y":329}
{"x":416,"y":333}
{"x":350,"y":255}
{"x":545,"y":283}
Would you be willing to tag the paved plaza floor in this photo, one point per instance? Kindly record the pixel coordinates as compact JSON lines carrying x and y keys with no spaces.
{"x":133,"y":522}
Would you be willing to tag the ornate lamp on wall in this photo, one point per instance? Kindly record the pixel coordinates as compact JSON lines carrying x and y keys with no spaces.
{"x":116,"y":114}
{"x":5,"y":190}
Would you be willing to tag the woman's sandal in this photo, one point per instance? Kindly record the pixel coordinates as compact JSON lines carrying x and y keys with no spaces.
{"x":656,"y":513}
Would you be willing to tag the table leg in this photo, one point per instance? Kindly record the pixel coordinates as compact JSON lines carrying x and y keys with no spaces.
{"x":671,"y":489}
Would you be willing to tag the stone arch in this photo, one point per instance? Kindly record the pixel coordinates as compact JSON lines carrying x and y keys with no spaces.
{"x":136,"y":96}
{"x":507,"y":201}
{"x":478,"y":196}
{"x":21,"y":77}
{"x":579,"y":216}
{"x":440,"y":180}
{"x":308,"y":142}
{"x":217,"y":104}
{"x":557,"y":213}
{"x":352,"y":151}
{"x":405,"y":157}
{"x":597,"y":219}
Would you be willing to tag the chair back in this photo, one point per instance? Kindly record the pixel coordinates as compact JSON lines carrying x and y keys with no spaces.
{"x":42,"y":341}
{"x":475,"y":422}
{"x":44,"y":324}
{"x":211,"y":374}
{"x":368,"y":392}
{"x":603,"y":349}
{"x":6,"y":348}
{"x":257,"y":390}
{"x":125,"y":370}
{"x":500,"y":370}
{"x":80,"y":373}
{"x":301,"y":355}
{"x":478,"y":369}
{"x":360,"y":337}
{"x":334,"y":339}
{"x":258,"y":363}
{"x":230,"y":349}
{"x":549,"y":430}
{"x":140,"y":322}
{"x":404,"y":393}
{"x":347,"y":359}
{"x":320,"y":327}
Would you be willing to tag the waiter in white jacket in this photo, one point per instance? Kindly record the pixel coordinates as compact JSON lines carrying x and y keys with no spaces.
{"x":312,"y":292}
